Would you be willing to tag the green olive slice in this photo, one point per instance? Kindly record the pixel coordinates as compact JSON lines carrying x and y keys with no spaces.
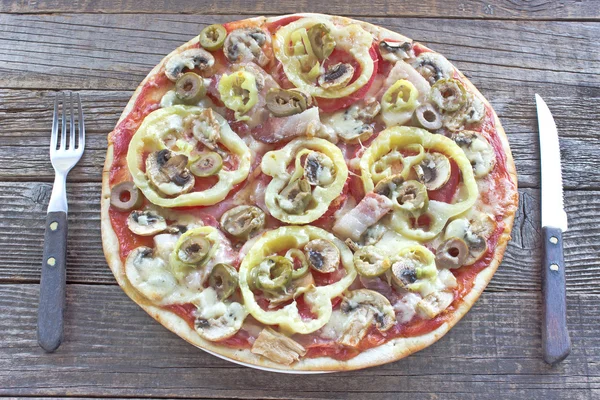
{"x":452,"y":253}
{"x":125,"y":196}
{"x":294,"y":254}
{"x":322,"y":255}
{"x":212,"y":37}
{"x":428,"y":117}
{"x":448,"y":94}
{"x":369,"y":262}
{"x":321,"y":41}
{"x":283,"y":103}
{"x":224,"y":279}
{"x":209,"y":164}
{"x":273,"y":274}
{"x":194,"y":249}
{"x":190,"y":87}
{"x":411,"y":196}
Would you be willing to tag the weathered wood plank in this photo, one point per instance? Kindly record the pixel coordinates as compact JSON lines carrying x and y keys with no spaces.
{"x":23,"y":206}
{"x":26,"y":117}
{"x":112,"y":347}
{"x":521,"y":9}
{"x":116,"y":51}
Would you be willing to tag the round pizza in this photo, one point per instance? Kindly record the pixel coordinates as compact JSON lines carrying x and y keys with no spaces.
{"x":306,"y":193}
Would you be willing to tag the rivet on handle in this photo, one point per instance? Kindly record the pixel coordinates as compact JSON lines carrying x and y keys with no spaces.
{"x":54,"y":226}
{"x":554,"y":267}
{"x":553,"y":240}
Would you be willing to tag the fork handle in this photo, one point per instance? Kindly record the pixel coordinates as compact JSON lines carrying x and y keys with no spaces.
{"x":53,"y":282}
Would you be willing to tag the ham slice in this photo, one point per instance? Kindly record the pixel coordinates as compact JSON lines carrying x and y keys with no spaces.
{"x":368,"y":212}
{"x":277,"y":129}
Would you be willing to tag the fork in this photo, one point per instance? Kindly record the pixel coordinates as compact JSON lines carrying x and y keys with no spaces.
{"x":65,"y":152}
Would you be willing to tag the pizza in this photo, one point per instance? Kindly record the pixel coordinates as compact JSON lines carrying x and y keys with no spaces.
{"x":306,"y":193}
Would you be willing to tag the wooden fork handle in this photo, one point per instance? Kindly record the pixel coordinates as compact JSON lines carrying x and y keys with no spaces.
{"x":53,"y":282}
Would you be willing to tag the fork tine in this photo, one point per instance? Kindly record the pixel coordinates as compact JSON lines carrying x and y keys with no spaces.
{"x":81,"y":125}
{"x":63,"y":135}
{"x":54,"y":135}
{"x":71,"y":125}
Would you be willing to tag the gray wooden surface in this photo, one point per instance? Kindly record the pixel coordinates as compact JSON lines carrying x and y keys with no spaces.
{"x":103,"y":48}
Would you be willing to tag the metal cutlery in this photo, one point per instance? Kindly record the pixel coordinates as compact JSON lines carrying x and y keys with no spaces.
{"x":555,"y":336}
{"x":66,"y":149}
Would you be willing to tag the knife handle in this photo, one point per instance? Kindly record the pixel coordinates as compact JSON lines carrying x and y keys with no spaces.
{"x":53,"y":282}
{"x":556,"y":344}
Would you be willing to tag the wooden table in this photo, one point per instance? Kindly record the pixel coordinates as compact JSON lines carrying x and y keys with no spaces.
{"x":510,"y":49}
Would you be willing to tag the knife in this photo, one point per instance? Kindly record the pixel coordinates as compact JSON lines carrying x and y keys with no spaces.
{"x":556,"y":343}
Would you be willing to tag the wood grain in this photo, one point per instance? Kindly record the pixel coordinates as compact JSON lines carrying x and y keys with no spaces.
{"x":112,"y":348}
{"x":23,"y":207}
{"x":26,"y":116}
{"x":516,"y":9}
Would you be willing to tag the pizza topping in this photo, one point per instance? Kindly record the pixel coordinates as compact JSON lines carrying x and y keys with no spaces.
{"x":412,"y":264}
{"x":452,"y":253}
{"x":150,"y":275}
{"x":336,"y":76}
{"x":243,"y":221}
{"x":433,"y":67}
{"x":321,"y":41}
{"x":209,"y":164}
{"x":191,"y":59}
{"x":370,"y":261}
{"x":276,"y":130}
{"x":146,"y":223}
{"x":478,"y":150}
{"x":365,"y":307}
{"x":239,"y":92}
{"x":294,"y":198}
{"x":277,"y":347}
{"x":283,"y":103}
{"x":354,"y":124}
{"x":433,"y":171}
{"x":168,"y":172}
{"x":434,"y":303}
{"x":216,"y":320}
{"x":411,"y":196}
{"x":322,"y":255}
{"x":213,"y":37}
{"x":297,"y":254}
{"x":398,"y":103}
{"x":428,"y":117}
{"x":246,"y":44}
{"x":448,"y":94}
{"x":394,"y":51}
{"x":125,"y":196}
{"x":475,"y":232}
{"x":194,"y":249}
{"x":472,"y":111}
{"x":223,"y":279}
{"x":190,"y":88}
{"x":368,"y":212}
{"x":273,"y":274}
{"x":318,"y":169}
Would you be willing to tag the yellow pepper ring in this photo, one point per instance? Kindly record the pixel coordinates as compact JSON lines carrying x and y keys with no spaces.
{"x":239,"y":92}
{"x":401,"y":96}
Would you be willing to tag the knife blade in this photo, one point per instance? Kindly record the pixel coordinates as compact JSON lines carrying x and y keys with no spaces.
{"x":556,"y":344}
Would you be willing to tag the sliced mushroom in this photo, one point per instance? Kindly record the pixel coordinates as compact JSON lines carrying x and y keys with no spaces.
{"x":224,"y":279}
{"x":192,"y":58}
{"x":403,"y":274}
{"x":207,"y":130}
{"x":471,"y":112}
{"x":434,"y":171}
{"x":412,"y":263}
{"x":194,"y":249}
{"x":319,"y":169}
{"x":428,"y":117}
{"x":394,"y":51}
{"x":370,"y":262}
{"x":411,"y":196}
{"x":322,"y":255}
{"x":146,"y":223}
{"x":277,"y":347}
{"x":433,"y":67}
{"x":246,"y":45}
{"x":363,"y":307}
{"x":295,"y":198}
{"x":243,"y":221}
{"x":452,"y":253}
{"x":149,"y":274}
{"x":480,"y":229}
{"x":283,"y":102}
{"x":125,"y":196}
{"x":354,"y":124}
{"x":478,"y":151}
{"x":388,"y":186}
{"x":434,"y":303}
{"x":216,"y":320}
{"x":168,"y":172}
{"x":336,"y":76}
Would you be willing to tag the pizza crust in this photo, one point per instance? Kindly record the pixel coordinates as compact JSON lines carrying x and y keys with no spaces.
{"x":392,"y":350}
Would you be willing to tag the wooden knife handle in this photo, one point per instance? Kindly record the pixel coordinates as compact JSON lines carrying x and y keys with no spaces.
{"x":556,"y":343}
{"x":53,"y":282}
